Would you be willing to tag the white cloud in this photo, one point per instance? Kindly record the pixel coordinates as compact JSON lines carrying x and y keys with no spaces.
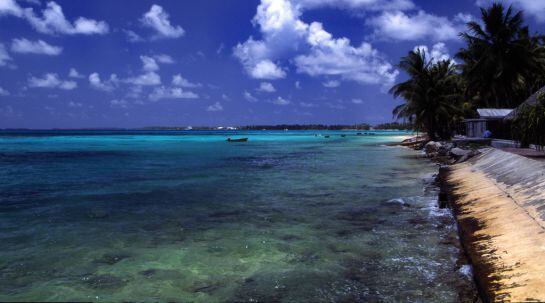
{"x":297,"y":84}
{"x":53,"y":21}
{"x":216,"y":107}
{"x":97,"y":83}
{"x":178,"y":80}
{"x":280,"y":101}
{"x":149,"y":64}
{"x":266,"y":69}
{"x":5,"y":58}
{"x":331,"y":84}
{"x":266,"y":87}
{"x":535,"y":8}
{"x":163,"y":58}
{"x":3,"y":92}
{"x":73,"y":73}
{"x":248,"y":96}
{"x":51,"y":80}
{"x":145,"y":79}
{"x":171,"y":93}
{"x":439,"y":52}
{"x":40,"y":47}
{"x":336,"y":57}
{"x":370,"y":5}
{"x":10,"y":7}
{"x":357,"y":101}
{"x":316,"y":51}
{"x":398,"y":25}
{"x":158,"y":19}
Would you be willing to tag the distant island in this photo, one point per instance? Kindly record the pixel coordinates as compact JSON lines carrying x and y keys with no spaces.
{"x":360,"y":126}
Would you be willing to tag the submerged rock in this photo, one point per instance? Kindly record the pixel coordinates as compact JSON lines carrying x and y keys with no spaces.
{"x":111,"y":259}
{"x":103,"y":281}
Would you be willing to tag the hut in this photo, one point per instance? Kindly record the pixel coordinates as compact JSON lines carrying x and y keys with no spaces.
{"x":490,"y":119}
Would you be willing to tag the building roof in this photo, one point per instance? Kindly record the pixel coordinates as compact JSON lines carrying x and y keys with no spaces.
{"x":493,"y":112}
{"x":532,"y":100}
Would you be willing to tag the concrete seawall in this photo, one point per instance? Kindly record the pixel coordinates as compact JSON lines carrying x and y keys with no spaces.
{"x":499,"y":202}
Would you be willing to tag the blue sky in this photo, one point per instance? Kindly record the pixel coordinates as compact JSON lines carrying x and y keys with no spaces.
{"x":72,"y":64}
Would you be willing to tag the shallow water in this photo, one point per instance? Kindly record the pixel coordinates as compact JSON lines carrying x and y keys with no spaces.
{"x":186,"y":216}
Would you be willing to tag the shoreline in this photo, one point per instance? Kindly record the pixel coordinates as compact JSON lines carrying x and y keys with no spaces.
{"x":497,"y":200}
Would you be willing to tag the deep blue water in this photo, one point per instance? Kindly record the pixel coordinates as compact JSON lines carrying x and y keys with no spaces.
{"x":186,"y":216}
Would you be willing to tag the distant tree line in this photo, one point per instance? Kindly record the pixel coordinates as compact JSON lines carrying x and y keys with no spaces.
{"x":361,"y":126}
{"x":501,"y":65}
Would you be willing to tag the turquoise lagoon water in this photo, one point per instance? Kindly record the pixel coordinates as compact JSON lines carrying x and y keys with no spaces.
{"x":187,"y":216}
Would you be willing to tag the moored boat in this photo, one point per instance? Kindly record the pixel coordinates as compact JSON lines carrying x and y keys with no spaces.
{"x":237,"y":140}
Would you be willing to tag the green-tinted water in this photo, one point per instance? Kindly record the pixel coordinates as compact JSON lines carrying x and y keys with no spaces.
{"x":163,"y":216}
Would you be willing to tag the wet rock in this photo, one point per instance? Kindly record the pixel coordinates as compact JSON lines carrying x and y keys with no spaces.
{"x":205,"y":286}
{"x":458,"y":152}
{"x":103,"y":281}
{"x":432,"y":147}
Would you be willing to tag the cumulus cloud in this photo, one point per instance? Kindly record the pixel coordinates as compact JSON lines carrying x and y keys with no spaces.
{"x":357,"y":101}
{"x":280,"y":101}
{"x":51,"y":80}
{"x":163,"y":58}
{"x":248,"y":96}
{"x":3,"y":92}
{"x":52,"y":20}
{"x":316,"y":51}
{"x":146,"y":79}
{"x":369,"y":5}
{"x":10,"y":7}
{"x":163,"y":92}
{"x":331,"y":84}
{"x":149,"y":64}
{"x":401,"y":26}
{"x":266,"y":87}
{"x":97,"y":83}
{"x":40,"y":47}
{"x":439,"y":52}
{"x":5,"y":58}
{"x":216,"y":107}
{"x":158,"y":19}
{"x":73,"y":73}
{"x":178,"y":80}
{"x":266,"y":69}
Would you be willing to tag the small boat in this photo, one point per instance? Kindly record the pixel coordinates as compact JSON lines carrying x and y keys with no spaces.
{"x":237,"y":140}
{"x":343,"y":136}
{"x":359,"y":134}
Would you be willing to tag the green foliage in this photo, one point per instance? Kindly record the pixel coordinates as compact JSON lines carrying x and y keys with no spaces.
{"x":433,"y":95}
{"x":502,"y":63}
{"x":529,"y":123}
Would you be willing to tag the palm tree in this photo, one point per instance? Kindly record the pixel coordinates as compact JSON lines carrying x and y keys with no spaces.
{"x":432,"y":95}
{"x":502,"y":62}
